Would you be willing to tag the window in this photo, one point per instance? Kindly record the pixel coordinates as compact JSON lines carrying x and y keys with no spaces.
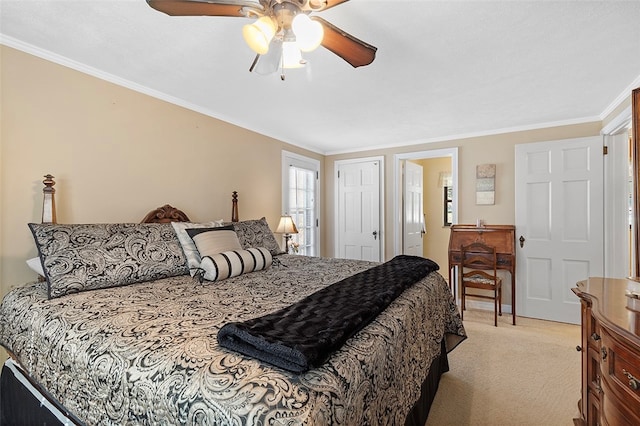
{"x":300,"y":177}
{"x":448,"y":205}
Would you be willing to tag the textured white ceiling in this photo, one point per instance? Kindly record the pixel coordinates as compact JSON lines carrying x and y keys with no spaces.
{"x":443,"y":68}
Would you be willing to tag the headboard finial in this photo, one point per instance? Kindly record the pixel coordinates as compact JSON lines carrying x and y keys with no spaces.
{"x":49,"y":201}
{"x":234,"y":207}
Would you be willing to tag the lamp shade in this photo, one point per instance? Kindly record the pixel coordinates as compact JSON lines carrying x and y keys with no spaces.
{"x":286,"y":226}
{"x":259,"y":34}
{"x":309,"y":34}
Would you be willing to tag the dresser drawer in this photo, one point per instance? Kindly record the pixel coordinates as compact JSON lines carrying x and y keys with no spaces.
{"x":593,"y":372}
{"x":616,"y":412}
{"x":621,"y":370}
{"x":594,"y":338}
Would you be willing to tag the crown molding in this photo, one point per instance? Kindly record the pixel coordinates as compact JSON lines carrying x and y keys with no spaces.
{"x":626,"y":93}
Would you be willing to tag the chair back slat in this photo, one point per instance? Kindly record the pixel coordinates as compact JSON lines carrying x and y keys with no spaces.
{"x":479,"y":256}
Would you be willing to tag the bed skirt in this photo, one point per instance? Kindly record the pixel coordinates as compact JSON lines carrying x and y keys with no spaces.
{"x":420,"y":411}
{"x":23,"y":402}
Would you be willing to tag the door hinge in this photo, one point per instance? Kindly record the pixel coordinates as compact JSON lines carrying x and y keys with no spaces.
{"x":338,"y":174}
{"x":317,"y":223}
{"x":317,"y":175}
{"x":605,"y":150}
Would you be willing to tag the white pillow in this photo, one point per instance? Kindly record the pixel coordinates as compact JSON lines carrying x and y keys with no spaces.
{"x":210,"y":241}
{"x":188,"y":246}
{"x":35,"y":265}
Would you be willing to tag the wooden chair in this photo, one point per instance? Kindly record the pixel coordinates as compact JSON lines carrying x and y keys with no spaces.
{"x":478,"y":269}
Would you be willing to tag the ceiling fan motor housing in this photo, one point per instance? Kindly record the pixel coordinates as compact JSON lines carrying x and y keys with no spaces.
{"x":306,"y":5}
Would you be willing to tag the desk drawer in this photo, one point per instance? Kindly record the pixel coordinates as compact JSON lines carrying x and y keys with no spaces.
{"x":503,"y":240}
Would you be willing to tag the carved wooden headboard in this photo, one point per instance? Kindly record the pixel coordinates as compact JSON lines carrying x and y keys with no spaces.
{"x":165,"y":214}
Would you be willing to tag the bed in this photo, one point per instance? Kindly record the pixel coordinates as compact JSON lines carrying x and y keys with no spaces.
{"x":147,"y":352}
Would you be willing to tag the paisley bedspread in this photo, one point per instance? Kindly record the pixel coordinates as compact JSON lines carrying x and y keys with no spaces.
{"x":147,"y":353}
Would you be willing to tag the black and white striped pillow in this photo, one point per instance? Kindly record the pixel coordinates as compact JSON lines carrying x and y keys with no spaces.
{"x":235,"y":262}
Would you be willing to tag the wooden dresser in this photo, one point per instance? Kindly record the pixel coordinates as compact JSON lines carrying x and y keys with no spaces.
{"x":610,"y":352}
{"x":502,"y":237}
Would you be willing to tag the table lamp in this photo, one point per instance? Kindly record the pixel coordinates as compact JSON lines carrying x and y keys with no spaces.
{"x":286,"y":227}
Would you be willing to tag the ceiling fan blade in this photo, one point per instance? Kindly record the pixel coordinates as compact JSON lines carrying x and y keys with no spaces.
{"x":354,"y":51}
{"x":324,"y":4}
{"x":203,"y":8}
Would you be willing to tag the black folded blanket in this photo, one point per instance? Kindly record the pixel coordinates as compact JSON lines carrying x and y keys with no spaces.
{"x":303,"y":335}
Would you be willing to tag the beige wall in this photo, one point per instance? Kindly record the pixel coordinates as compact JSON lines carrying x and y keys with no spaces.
{"x":116,"y":154}
{"x":495,"y":149}
{"x":436,"y":239}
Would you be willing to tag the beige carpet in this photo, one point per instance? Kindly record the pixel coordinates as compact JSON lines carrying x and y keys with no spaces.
{"x":523,"y":375}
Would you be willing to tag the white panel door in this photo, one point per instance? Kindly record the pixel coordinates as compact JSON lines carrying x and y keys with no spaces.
{"x":358,"y":235}
{"x":559,"y":220}
{"x":413,"y":224}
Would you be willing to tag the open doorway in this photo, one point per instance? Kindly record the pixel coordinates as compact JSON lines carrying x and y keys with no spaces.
{"x":440,"y":205}
{"x":618,"y":192}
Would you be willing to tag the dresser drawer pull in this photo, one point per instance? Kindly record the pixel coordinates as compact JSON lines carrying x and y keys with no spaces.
{"x":633,"y":382}
{"x":595,"y":336}
{"x":603,"y":351}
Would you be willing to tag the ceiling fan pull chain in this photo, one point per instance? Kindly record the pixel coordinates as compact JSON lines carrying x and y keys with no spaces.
{"x":282,"y":66}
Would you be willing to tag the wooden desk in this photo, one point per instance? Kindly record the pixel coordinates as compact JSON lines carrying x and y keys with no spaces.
{"x":502,"y":237}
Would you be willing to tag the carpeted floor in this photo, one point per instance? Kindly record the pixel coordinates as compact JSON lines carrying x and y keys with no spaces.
{"x":528,"y":374}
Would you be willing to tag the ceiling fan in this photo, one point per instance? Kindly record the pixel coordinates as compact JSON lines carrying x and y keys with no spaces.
{"x":281,"y":31}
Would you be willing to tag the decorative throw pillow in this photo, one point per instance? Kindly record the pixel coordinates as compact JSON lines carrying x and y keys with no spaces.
{"x":233,"y":263}
{"x":256,"y":233}
{"x":93,"y":256}
{"x":188,"y":246}
{"x":210,"y":241}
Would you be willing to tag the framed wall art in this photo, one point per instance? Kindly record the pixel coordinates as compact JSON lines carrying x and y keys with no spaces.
{"x":486,"y":184}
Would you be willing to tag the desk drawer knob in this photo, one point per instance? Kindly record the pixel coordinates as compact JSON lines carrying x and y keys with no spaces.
{"x":633,"y":382}
{"x":595,"y":336}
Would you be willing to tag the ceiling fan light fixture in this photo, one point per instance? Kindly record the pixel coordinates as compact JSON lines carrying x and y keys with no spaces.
{"x":259,"y":34}
{"x":309,"y":34}
{"x":291,"y":55}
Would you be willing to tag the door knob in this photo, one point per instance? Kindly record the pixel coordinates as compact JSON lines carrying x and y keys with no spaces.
{"x":375,"y":235}
{"x":521,"y":241}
